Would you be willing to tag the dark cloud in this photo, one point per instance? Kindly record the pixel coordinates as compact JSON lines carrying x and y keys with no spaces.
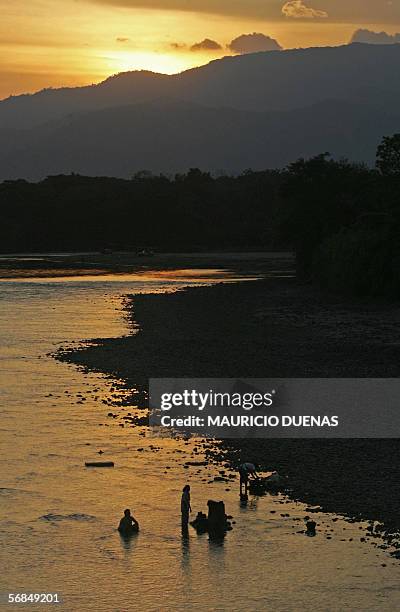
{"x":244,"y":8}
{"x":122,"y":39}
{"x":346,"y":11}
{"x":252,"y":43}
{"x":375,"y":38}
{"x":206,"y":45}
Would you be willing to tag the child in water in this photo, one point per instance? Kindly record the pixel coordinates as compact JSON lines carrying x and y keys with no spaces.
{"x":128,"y":524}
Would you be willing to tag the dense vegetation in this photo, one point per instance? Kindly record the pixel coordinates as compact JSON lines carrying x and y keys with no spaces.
{"x":189,"y":212}
{"x":342,"y":219}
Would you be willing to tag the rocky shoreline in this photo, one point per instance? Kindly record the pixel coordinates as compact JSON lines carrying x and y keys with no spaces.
{"x":272,"y":328}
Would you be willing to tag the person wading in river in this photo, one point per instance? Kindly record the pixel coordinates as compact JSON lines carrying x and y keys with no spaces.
{"x":245,"y":471}
{"x":185,"y":505}
{"x":128,"y":524}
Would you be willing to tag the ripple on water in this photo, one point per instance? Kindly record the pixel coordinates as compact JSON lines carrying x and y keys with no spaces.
{"x":12,"y":492}
{"x":67,"y":517}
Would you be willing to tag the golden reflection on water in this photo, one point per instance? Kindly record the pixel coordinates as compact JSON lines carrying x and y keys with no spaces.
{"x":59,"y":518}
{"x":65,"y":275}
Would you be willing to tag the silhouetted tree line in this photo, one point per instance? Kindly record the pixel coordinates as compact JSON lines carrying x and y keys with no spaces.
{"x":187,"y":212}
{"x":342,"y":219}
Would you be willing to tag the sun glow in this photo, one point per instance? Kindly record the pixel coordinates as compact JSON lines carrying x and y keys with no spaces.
{"x":45,"y":43}
{"x":166,"y":63}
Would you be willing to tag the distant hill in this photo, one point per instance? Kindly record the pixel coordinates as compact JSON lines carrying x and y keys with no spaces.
{"x":258,"y":110}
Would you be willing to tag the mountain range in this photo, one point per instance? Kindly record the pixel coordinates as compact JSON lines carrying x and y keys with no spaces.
{"x":257,"y":110}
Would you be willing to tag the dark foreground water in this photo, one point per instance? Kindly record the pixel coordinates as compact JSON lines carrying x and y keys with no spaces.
{"x":58,"y":518}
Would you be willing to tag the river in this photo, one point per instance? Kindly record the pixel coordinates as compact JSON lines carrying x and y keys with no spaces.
{"x":58,"y":518}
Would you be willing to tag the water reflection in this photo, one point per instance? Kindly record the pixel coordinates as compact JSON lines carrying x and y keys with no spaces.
{"x":249,"y":504}
{"x":185,"y":547}
{"x":216,"y":550}
{"x":185,"y":533}
{"x":50,"y":434}
{"x":244,"y":500}
{"x":128,"y":541}
{"x":216,"y":539}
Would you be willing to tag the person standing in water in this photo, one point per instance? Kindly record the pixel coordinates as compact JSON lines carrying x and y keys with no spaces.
{"x":128,"y":524}
{"x":185,"y":505}
{"x":246,"y":470}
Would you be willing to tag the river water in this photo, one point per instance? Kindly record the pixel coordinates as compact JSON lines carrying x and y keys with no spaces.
{"x":58,"y":518}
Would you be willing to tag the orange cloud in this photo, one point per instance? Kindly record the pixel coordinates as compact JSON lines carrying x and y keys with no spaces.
{"x":298,"y":10}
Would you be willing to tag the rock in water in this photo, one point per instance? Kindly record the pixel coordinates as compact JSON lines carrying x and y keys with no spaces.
{"x":99,"y":463}
{"x":200,"y":523}
{"x":311,"y":525}
{"x":217,"y":521}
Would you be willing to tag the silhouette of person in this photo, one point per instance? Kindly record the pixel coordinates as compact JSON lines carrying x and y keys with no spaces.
{"x":245,"y":471}
{"x":128,"y":524}
{"x":185,"y":505}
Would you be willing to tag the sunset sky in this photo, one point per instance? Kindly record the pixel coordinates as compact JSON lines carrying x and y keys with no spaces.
{"x":50,"y":43}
